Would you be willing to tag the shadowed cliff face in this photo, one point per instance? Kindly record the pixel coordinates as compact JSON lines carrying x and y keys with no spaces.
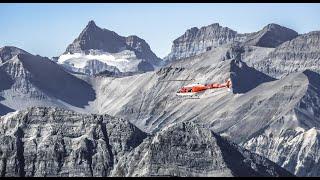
{"x":28,"y":80}
{"x":53,"y":80}
{"x":4,"y":109}
{"x":5,"y":80}
{"x":246,"y":78}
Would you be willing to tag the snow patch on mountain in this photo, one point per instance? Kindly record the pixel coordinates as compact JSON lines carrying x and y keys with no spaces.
{"x":125,"y":61}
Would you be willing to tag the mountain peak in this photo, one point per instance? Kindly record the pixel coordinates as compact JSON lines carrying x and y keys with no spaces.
{"x":272,"y":35}
{"x":91,"y":23}
{"x":91,"y":26}
{"x":273,"y":26}
{"x":94,"y":40}
{"x":7,"y":52}
{"x":10,"y":48}
{"x":214,"y":25}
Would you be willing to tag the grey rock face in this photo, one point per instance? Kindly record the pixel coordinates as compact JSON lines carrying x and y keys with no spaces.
{"x":196,"y":41}
{"x":57,"y":142}
{"x":298,"y":54}
{"x":186,"y":149}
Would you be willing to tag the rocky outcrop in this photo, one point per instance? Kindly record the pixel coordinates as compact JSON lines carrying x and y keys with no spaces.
{"x":186,"y":149}
{"x":57,"y":142}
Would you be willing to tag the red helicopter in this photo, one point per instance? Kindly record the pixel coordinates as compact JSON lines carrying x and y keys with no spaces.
{"x":193,"y":89}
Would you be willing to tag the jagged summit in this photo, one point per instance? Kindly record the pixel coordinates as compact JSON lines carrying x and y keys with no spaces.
{"x":91,"y":23}
{"x":91,"y":26}
{"x":96,"y":50}
{"x":94,"y":37}
{"x":196,"y":41}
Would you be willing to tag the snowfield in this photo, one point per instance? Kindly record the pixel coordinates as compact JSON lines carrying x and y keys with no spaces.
{"x":125,"y":61}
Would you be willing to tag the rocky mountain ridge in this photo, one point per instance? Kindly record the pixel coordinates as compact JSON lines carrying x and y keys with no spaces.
{"x":55,"y":142}
{"x":196,"y":41}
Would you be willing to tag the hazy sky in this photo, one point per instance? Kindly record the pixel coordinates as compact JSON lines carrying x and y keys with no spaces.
{"x":47,"y":29}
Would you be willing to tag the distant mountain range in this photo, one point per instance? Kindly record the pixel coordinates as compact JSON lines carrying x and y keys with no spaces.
{"x":107,"y":106}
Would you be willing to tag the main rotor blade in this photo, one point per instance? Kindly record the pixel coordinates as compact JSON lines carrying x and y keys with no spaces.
{"x":177,"y":80}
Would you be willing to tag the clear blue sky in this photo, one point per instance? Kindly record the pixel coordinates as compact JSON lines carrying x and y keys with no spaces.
{"x":47,"y":29}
